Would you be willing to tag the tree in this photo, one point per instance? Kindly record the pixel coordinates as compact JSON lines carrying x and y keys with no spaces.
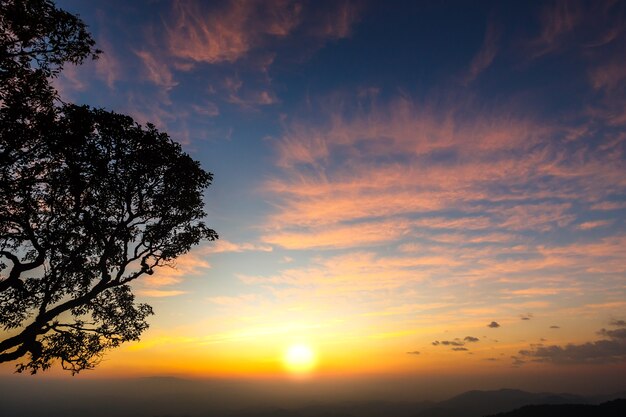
{"x":89,"y":202}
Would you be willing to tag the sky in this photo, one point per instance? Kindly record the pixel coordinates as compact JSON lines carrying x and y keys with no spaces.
{"x":402,"y":189}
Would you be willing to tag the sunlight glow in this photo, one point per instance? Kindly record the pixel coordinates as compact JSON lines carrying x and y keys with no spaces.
{"x":299,"y":359}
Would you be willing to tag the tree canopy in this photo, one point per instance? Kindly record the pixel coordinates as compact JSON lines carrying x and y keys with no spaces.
{"x":89,"y":202}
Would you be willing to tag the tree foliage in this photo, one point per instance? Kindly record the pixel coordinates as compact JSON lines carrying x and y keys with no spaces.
{"x":89,"y":202}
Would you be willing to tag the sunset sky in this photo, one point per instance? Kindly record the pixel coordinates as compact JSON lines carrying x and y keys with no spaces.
{"x":402,"y":189}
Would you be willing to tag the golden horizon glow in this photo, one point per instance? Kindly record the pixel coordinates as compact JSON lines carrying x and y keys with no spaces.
{"x":299,"y":359}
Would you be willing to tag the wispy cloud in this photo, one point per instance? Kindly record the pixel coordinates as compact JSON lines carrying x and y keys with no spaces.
{"x":160,"y":293}
{"x":164,"y":281}
{"x":109,"y":68}
{"x":403,"y":198}
{"x":199,"y":33}
{"x":156,"y":71}
{"x":558,"y":19}
{"x":411,"y":159}
{"x":485,"y":56}
{"x":225,"y":246}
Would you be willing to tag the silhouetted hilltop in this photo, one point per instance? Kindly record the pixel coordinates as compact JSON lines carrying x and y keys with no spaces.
{"x":470,"y":404}
{"x":345,"y":409}
{"x":615,"y":408}
{"x":366,"y":409}
{"x":599,"y":399}
{"x":480,"y":403}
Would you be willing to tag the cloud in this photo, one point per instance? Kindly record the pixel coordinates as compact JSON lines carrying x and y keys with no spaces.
{"x":613,"y":334}
{"x":493,"y":325}
{"x":461,"y":199}
{"x":339,"y":23}
{"x":225,"y":246}
{"x":235,"y":301}
{"x":534,"y":292}
{"x":594,"y":224}
{"x":247,"y":98}
{"x":156,"y":71}
{"x":226,"y":34}
{"x":601,"y":351}
{"x":407,"y":159}
{"x":609,"y":350}
{"x":352,"y":272}
{"x":186,"y":265}
{"x":557,"y":20}
{"x":165,"y":277}
{"x":608,"y":76}
{"x":108,"y":66}
{"x":415,"y":352}
{"x":618,"y":323}
{"x":517,"y":361}
{"x":455,"y":342}
{"x":160,"y":293}
{"x":200,"y":36}
{"x":207,"y":109}
{"x":340,"y":236}
{"x":459,"y":349}
{"x":609,"y":205}
{"x":485,"y":56}
{"x":109,"y":69}
{"x":555,"y":327}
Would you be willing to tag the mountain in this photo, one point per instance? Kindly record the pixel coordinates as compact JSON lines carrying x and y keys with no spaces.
{"x":615,"y":408}
{"x":480,"y":403}
{"x":343,"y":409}
{"x":468,"y":404}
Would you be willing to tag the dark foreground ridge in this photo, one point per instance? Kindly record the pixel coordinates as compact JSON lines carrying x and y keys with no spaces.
{"x":615,"y":408}
{"x":175,"y":397}
{"x":485,"y":403}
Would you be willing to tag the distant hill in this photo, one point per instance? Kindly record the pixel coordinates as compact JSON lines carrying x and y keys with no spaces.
{"x":481,"y":403}
{"x":347,"y":409}
{"x":615,"y":408}
{"x":470,"y":404}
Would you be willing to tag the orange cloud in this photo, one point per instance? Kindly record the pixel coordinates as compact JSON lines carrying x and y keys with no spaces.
{"x":594,"y":224}
{"x":160,"y":293}
{"x":340,"y":236}
{"x":156,"y":71}
{"x":222,"y":246}
{"x":452,"y":206}
{"x":226,"y":34}
{"x":406,"y":159}
{"x":208,"y":37}
{"x":186,"y":265}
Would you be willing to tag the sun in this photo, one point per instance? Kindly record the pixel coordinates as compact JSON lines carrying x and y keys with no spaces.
{"x":299,"y":359}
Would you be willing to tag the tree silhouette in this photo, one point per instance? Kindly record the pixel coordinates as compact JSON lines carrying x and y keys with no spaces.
{"x":89,"y":202}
